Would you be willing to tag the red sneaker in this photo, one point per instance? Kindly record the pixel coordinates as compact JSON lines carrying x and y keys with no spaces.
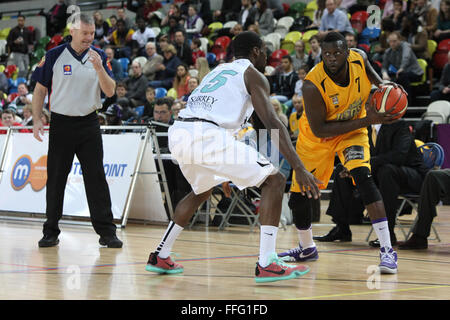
{"x":159,"y":265}
{"x":278,"y":270}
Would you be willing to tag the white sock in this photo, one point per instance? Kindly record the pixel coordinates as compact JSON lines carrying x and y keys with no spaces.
{"x":382,"y":230}
{"x":172,"y":233}
{"x":267,"y":243}
{"x":306,"y":238}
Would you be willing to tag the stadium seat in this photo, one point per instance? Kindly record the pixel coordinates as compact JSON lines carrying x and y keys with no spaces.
{"x":4,"y":33}
{"x":215,"y":26}
{"x":364,"y":47}
{"x":286,"y":7}
{"x":3,"y":48}
{"x":293,"y":36}
{"x":370,"y":34}
{"x":223,"y":41}
{"x":297,"y":9}
{"x":172,"y":93}
{"x":12,"y":96}
{"x":444,"y":45}
{"x":160,"y":92}
{"x":230,"y":24}
{"x":358,"y":20}
{"x":221,"y":56}
{"x":139,"y":110}
{"x":273,"y":41}
{"x":211,"y":57}
{"x":204,"y":45}
{"x":9,"y":70}
{"x":19,"y":81}
{"x":432,"y":46}
{"x":44,"y":41}
{"x":2,"y":67}
{"x":288,"y":45}
{"x":275,"y":58}
{"x":438,"y":112}
{"x":142,"y":60}
{"x":124,"y":62}
{"x":156,"y":30}
{"x":423,"y":65}
{"x":285,"y":22}
{"x":440,"y":58}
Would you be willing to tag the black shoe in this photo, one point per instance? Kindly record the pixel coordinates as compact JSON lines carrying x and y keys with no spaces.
{"x":413,"y":243}
{"x":333,"y":235}
{"x":110,"y":241}
{"x":48,"y":241}
{"x":376,"y":243}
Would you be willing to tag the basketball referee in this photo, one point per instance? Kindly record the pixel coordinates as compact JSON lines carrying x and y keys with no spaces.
{"x":75,"y":74}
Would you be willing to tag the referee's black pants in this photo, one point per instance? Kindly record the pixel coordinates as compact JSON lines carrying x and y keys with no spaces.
{"x":79,"y":136}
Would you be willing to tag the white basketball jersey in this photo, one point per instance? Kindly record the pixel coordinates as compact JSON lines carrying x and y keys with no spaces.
{"x":222,"y":96}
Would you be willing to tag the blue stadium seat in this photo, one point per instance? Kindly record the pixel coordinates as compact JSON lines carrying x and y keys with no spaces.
{"x":139,"y":110}
{"x":211,"y":57}
{"x":19,"y":81}
{"x":160,"y":92}
{"x":124,"y":62}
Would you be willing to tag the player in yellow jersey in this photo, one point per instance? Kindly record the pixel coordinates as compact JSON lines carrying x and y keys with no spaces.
{"x":335,"y":92}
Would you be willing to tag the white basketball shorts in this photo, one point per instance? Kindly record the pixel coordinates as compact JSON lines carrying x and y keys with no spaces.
{"x":209,"y":155}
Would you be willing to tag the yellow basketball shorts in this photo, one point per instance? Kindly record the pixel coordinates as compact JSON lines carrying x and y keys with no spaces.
{"x":318,"y":158}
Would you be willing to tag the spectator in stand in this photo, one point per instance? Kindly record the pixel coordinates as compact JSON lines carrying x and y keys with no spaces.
{"x":427,"y":15}
{"x":3,"y":100}
{"x":120,"y":93}
{"x":435,"y":187}
{"x":137,"y":85}
{"x":196,"y":51}
{"x":418,"y":40}
{"x":27,"y":115}
{"x":276,"y":7}
{"x":247,"y":14}
{"x":149,"y":103}
{"x":121,"y":15}
{"x":141,"y":37}
{"x":203,"y":8}
{"x":318,"y":14}
{"x":396,"y":12}
{"x":180,"y":82}
{"x":279,"y":111}
{"x":101,"y":29}
{"x":148,"y":11}
{"x":184,"y":52}
{"x":228,"y":12}
{"x":294,"y":118}
{"x":443,"y":91}
{"x":115,"y":64}
{"x":350,"y":38}
{"x":177,"y":106}
{"x":299,"y":57}
{"x":153,"y":59}
{"x":8,"y":120}
{"x":264,"y":17}
{"x":193,"y":83}
{"x":166,"y":70}
{"x":163,"y":42}
{"x":174,"y":10}
{"x":24,"y":97}
{"x":301,"y":72}
{"x":315,"y":55}
{"x":203,"y":68}
{"x":334,"y":20}
{"x":443,"y":22}
{"x":283,"y":82}
{"x":174,"y":27}
{"x":254,"y":28}
{"x":19,"y":42}
{"x":113,"y":21}
{"x":121,"y":40}
{"x":193,"y":24}
{"x":400,"y":63}
{"x":387,"y":27}
{"x":3,"y":83}
{"x":45,"y":117}
{"x":56,"y":18}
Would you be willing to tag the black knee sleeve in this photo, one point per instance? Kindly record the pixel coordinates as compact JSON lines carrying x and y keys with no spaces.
{"x":301,"y":207}
{"x":366,"y":185}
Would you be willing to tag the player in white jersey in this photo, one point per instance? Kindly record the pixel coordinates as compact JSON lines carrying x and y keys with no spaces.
{"x":202,"y":143}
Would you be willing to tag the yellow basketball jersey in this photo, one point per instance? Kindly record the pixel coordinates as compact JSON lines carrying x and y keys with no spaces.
{"x":342,"y":103}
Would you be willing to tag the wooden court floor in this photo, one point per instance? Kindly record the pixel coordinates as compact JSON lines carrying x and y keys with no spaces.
{"x":218,"y":265}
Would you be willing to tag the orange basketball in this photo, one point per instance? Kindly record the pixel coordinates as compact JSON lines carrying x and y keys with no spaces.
{"x":388,"y":97}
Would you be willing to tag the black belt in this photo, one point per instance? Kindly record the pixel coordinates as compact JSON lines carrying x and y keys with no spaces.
{"x":195,"y":120}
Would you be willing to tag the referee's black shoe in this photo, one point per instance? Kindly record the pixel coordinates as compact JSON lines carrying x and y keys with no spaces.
{"x":335,"y":234}
{"x":48,"y":241}
{"x":110,"y":241}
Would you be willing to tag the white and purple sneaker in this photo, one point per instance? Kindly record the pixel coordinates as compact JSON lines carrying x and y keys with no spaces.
{"x":388,"y":262}
{"x":299,"y":254}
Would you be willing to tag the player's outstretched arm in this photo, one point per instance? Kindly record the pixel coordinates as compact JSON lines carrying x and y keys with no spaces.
{"x":258,"y":87}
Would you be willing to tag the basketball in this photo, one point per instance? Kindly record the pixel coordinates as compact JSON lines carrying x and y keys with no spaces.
{"x":388,"y":97}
